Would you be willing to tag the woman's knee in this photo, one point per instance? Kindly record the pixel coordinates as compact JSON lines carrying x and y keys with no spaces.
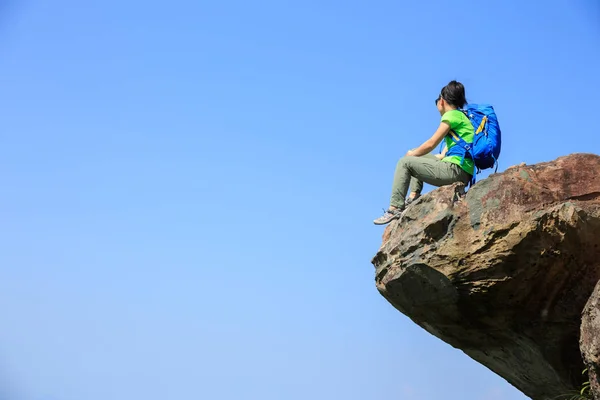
{"x":407,"y":160}
{"x":400,"y":162}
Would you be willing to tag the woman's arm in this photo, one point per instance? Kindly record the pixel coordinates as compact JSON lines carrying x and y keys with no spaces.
{"x":432,"y":142}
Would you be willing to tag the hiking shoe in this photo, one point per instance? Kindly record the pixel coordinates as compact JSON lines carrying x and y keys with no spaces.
{"x":411,"y":200}
{"x":388,"y":216}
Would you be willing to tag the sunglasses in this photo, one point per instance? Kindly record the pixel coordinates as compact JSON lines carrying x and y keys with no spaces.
{"x":438,"y":99}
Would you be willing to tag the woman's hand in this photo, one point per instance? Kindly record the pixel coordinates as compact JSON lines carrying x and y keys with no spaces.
{"x":410,"y":153}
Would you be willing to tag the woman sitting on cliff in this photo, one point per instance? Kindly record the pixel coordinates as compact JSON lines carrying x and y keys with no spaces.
{"x":420,"y":166}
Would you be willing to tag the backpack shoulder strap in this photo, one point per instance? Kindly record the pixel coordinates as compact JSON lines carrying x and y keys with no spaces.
{"x":454,"y":136}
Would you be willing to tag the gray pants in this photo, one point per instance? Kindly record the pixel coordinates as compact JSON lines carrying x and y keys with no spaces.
{"x":428,"y":169}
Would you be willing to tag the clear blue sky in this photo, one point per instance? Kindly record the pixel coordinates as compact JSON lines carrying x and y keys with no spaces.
{"x":188,"y":187}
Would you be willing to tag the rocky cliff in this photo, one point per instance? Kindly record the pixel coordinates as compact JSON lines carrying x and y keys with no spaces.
{"x":504,"y":272}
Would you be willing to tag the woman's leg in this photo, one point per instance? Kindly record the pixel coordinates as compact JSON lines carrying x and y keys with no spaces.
{"x":416,"y":185}
{"x":423,"y":169}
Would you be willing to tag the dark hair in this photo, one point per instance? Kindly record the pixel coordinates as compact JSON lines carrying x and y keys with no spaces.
{"x":454,"y":94}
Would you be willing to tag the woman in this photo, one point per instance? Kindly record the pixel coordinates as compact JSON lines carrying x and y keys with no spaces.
{"x":419,"y":166}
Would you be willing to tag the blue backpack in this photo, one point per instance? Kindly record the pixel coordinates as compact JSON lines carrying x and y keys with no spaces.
{"x":485,"y":149}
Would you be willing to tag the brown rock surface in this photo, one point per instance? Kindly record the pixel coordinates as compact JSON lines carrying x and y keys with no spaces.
{"x":504,"y":272}
{"x":590,"y":341}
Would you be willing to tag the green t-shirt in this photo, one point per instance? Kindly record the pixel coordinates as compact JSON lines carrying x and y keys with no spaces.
{"x":462,"y":126}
